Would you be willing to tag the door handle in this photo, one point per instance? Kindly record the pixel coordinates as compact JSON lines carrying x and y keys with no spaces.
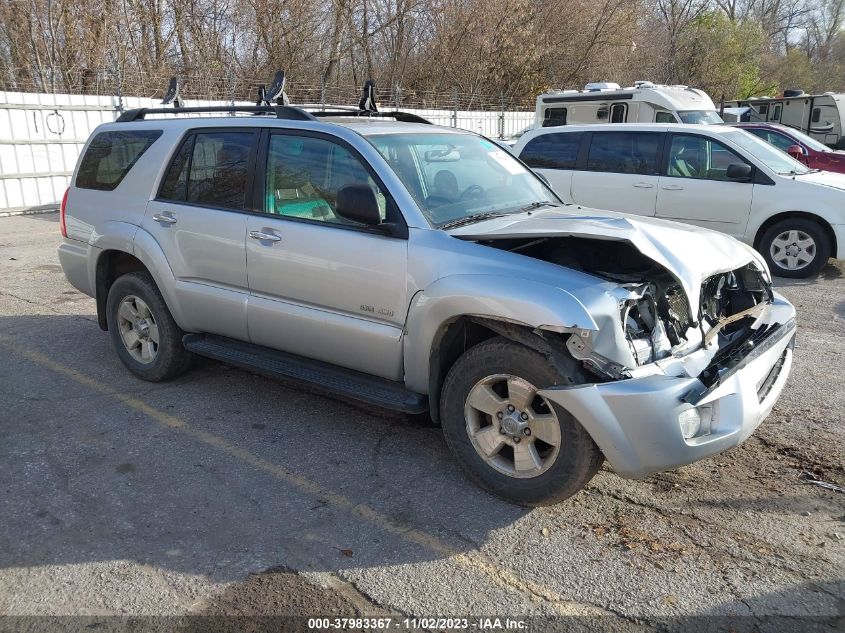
{"x":672,"y":188}
{"x":164,"y":219}
{"x":643,"y":185}
{"x":265,"y":237}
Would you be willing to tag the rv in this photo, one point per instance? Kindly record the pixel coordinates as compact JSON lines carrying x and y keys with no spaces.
{"x":820,"y":116}
{"x":644,"y":102}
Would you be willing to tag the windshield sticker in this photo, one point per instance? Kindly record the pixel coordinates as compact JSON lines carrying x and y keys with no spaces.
{"x":501,"y":157}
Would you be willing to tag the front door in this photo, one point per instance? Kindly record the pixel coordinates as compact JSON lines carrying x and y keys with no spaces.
{"x":695,"y":187}
{"x":620,"y":172}
{"x":322,"y":286}
{"x":198,"y":220}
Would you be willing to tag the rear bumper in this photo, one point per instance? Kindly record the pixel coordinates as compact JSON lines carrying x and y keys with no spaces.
{"x":75,"y":258}
{"x":636,"y":421}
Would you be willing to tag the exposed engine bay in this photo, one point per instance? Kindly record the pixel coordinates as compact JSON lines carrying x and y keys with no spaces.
{"x":654,"y":310}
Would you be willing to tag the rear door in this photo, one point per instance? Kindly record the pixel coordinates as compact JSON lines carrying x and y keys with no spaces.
{"x":618,"y":171}
{"x":322,"y":286}
{"x":695,"y":187}
{"x":198,"y":220}
{"x":554,"y":155}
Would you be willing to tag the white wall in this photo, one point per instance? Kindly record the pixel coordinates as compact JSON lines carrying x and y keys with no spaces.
{"x":41,"y":136}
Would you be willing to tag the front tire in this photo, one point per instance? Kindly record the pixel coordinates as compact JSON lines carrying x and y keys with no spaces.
{"x":795,"y":247}
{"x":507,"y":439}
{"x":143,"y":332}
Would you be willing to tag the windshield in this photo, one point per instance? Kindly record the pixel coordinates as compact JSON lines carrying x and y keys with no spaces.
{"x":767,"y":154}
{"x":710,"y":117}
{"x":456,"y":176}
{"x":809,"y":141}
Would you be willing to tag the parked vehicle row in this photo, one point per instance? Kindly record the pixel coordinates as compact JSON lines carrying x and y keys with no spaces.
{"x":818,"y":115}
{"x":425,"y":268}
{"x":801,"y":147}
{"x":717,"y":177}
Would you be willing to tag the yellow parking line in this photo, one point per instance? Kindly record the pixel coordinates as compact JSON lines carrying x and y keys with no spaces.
{"x":473,"y":560}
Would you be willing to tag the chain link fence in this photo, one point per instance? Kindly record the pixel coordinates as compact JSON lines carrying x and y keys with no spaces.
{"x":221,"y":86}
{"x":42,"y":132}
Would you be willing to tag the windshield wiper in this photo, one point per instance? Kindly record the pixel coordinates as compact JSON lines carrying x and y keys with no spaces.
{"x":487,"y":215}
{"x":470,"y":219}
{"x":537,"y":205}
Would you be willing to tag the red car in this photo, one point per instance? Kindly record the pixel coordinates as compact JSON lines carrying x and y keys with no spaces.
{"x":801,"y":147}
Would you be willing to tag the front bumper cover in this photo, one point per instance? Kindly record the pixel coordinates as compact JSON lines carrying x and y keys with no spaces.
{"x":635,"y":422}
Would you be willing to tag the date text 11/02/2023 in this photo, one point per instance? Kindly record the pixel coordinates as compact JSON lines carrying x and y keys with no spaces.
{"x":480,"y":623}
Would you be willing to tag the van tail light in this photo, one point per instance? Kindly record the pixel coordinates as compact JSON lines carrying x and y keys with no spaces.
{"x":62,"y":210}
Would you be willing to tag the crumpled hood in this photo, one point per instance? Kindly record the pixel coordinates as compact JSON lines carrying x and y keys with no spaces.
{"x":690,"y":253}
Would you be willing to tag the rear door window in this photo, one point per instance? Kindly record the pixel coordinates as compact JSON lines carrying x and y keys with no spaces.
{"x":110,"y":156}
{"x":624,"y":152}
{"x":552,"y":151}
{"x":210,"y":169}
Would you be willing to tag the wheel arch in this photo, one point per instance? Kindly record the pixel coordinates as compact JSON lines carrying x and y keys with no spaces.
{"x":112,"y":264}
{"x":142,"y":254}
{"x":501,"y":305}
{"x":822,"y":222}
{"x":460,"y":334}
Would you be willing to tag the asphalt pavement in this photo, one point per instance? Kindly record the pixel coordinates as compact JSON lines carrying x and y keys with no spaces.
{"x":223,"y":492}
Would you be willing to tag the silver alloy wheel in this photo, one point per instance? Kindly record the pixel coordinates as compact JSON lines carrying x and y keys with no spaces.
{"x":512,"y":428}
{"x":138,"y":329}
{"x":793,"y":249}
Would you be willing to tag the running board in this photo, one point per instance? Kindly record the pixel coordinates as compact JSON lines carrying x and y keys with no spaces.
{"x":323,"y":377}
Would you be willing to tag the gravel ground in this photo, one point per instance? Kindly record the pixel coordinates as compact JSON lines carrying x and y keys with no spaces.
{"x":224,"y":493}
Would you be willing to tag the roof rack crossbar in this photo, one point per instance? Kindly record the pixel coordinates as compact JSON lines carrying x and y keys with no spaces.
{"x":281,"y":112}
{"x":404,"y":117}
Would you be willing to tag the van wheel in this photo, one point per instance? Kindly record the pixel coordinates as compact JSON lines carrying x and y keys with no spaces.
{"x":509,"y":440}
{"x":143,"y":332}
{"x":795,"y":247}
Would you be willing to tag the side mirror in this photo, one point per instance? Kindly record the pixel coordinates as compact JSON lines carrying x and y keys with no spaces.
{"x":358,"y":203}
{"x":797,"y":152}
{"x":741,"y":172}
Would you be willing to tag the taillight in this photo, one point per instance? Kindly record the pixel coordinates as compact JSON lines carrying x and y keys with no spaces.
{"x":62,"y":209}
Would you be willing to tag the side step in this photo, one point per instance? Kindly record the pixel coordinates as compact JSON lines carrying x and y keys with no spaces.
{"x":323,"y":377}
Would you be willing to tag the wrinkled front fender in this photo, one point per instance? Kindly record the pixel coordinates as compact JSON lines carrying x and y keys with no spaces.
{"x":514,"y":300}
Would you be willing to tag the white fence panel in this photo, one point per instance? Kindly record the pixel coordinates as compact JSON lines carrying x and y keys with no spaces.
{"x":42,"y":135}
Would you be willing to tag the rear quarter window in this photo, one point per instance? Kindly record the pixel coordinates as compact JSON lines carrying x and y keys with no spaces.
{"x":552,"y":151}
{"x":110,"y":156}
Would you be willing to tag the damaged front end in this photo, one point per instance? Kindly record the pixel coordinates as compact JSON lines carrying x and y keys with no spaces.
{"x":654,"y":317}
{"x":682,"y":372}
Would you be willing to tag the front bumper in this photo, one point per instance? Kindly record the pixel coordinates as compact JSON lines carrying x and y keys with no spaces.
{"x":839,"y":233}
{"x":635,"y":422}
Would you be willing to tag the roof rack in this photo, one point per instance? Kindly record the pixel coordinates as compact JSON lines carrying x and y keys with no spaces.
{"x":281,"y":112}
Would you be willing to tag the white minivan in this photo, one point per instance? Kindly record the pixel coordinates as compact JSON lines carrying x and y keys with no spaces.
{"x":717,"y":177}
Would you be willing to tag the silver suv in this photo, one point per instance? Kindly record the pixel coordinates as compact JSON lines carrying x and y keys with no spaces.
{"x":422,"y":268}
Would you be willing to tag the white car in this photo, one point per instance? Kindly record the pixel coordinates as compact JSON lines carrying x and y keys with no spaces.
{"x":722,"y":178}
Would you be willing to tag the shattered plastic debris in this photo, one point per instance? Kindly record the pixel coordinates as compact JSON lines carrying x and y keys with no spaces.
{"x":810,"y":478}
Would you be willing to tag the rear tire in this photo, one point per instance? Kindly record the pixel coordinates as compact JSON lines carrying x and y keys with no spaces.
{"x":795,"y":247}
{"x":496,"y":451}
{"x":143,"y":332}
